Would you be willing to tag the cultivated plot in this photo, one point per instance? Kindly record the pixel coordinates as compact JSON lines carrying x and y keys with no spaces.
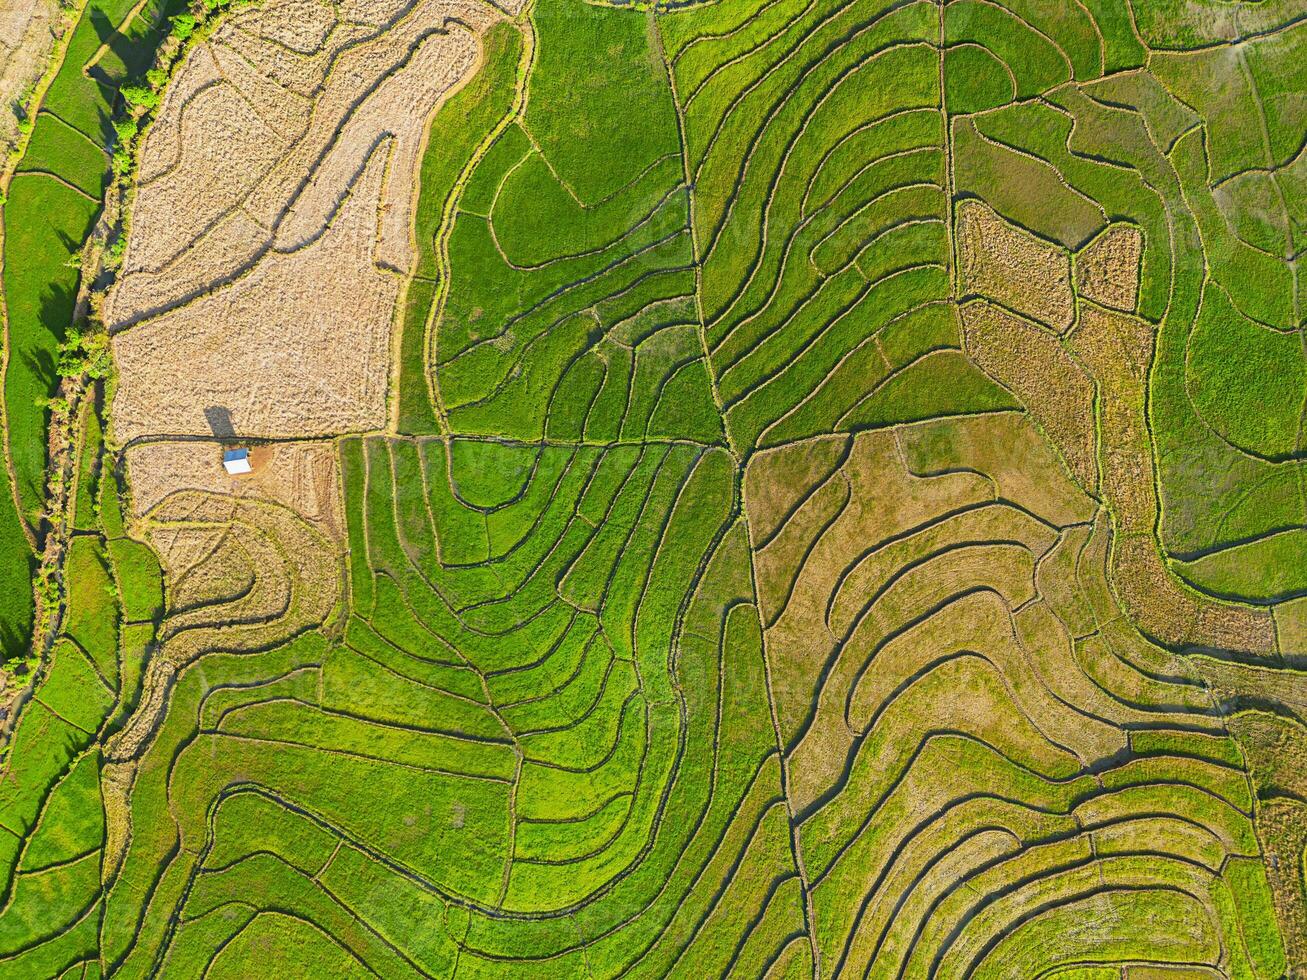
{"x":790,"y":488}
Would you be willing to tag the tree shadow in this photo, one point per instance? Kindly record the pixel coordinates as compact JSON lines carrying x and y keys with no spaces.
{"x":130,"y":51}
{"x":108,"y":135}
{"x":16,"y":631}
{"x":58,"y":304}
{"x":70,"y":244}
{"x":41,"y":365}
{"x":14,"y":643}
{"x":106,"y":31}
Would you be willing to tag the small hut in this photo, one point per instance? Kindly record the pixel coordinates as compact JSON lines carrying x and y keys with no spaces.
{"x":236,"y":461}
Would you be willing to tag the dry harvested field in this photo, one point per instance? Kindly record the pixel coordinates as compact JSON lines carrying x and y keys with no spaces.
{"x":293,"y":135}
{"x":28,"y":32}
{"x":773,"y":488}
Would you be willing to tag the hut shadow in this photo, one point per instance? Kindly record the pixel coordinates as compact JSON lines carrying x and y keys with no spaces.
{"x":220,"y":423}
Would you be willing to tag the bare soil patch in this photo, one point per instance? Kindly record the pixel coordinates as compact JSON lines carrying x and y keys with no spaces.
{"x":300,"y":96}
{"x":292,"y":139}
{"x":868,"y":566}
{"x":1108,"y":353}
{"x":779,"y":479}
{"x":299,"y":346}
{"x":298,"y":475}
{"x":1116,"y":349}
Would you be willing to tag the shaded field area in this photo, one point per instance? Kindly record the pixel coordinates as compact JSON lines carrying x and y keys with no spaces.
{"x":778,"y":489}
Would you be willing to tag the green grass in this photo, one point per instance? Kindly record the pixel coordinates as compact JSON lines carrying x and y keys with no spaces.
{"x":1036,"y":64}
{"x":58,"y":148}
{"x":975,"y":79}
{"x":45,"y":223}
{"x":288,"y":946}
{"x":1267,"y":569}
{"x":596,"y":134}
{"x":84,"y":510}
{"x":73,"y":822}
{"x":16,"y":602}
{"x":43,"y":746}
{"x":452,"y":142}
{"x":1246,"y":382}
{"x":1024,"y":189}
{"x":92,"y":618}
{"x":140,"y":584}
{"x":76,"y":688}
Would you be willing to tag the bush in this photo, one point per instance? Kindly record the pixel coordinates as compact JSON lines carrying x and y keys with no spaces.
{"x":140,"y":96}
{"x":84,"y":352}
{"x":183,"y":26}
{"x":126,"y":130}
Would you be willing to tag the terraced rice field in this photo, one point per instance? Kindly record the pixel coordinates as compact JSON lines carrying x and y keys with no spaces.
{"x":783,"y":488}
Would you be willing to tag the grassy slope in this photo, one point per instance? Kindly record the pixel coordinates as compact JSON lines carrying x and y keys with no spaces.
{"x":53,"y":203}
{"x":456,"y":131}
{"x":50,"y":803}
